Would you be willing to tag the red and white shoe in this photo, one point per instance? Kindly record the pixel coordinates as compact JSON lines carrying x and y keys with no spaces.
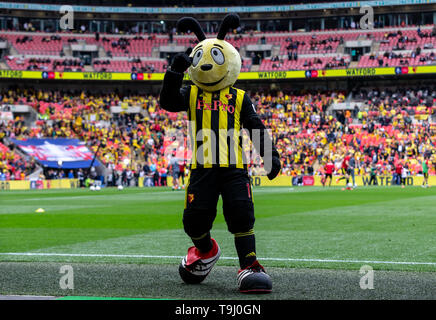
{"x":195,"y":266}
{"x":254,"y":279}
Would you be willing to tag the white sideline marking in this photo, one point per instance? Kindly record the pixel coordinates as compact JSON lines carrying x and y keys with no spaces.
{"x":97,"y":255}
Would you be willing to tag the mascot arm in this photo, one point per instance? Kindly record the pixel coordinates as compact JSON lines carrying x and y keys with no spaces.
{"x":265,"y":146}
{"x":173,"y":97}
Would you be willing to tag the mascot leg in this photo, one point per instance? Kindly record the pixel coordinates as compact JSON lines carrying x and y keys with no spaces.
{"x":239,"y":214}
{"x":200,"y":212}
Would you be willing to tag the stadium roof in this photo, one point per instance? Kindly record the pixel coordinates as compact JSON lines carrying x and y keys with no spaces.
{"x":172,"y":3}
{"x":211,"y":9}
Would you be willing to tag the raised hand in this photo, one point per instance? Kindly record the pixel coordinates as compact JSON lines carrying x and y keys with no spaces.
{"x":181,"y":61}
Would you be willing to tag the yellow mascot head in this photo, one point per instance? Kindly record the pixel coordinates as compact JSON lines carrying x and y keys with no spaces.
{"x":215,"y":62}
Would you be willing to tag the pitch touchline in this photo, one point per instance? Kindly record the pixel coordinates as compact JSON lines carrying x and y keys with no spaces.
{"x":223,"y":258}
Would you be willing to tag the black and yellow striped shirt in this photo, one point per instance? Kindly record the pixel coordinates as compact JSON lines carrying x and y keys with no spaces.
{"x":215,"y":122}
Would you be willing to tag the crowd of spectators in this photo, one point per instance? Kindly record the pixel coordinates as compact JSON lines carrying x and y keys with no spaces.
{"x":133,"y":145}
{"x":395,"y":126}
{"x":126,"y":140}
{"x":53,"y":37}
{"x":45,"y":63}
{"x":13,"y":166}
{"x":414,"y":58}
{"x":389,"y":106}
{"x":384,"y":147}
{"x":122,"y":43}
{"x":297,"y":122}
{"x":333,"y":63}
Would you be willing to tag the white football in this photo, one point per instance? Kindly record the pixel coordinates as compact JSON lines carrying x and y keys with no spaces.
{"x":97,"y":188}
{"x":120,"y":187}
{"x":92,"y":188}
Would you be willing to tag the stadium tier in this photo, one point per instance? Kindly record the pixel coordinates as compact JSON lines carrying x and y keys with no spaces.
{"x":261,"y":51}
{"x":305,"y":128}
{"x":127,"y":129}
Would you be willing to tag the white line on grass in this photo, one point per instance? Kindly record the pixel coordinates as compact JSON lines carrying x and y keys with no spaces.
{"x":97,"y":255}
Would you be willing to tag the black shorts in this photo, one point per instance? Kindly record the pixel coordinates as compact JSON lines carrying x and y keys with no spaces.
{"x":329,"y":175}
{"x":426,"y":175}
{"x":204,"y":188}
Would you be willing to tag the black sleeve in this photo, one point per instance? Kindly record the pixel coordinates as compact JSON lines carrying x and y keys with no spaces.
{"x":251,"y":121}
{"x":173,"y":97}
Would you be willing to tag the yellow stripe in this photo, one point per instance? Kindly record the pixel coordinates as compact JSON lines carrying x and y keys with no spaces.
{"x":251,"y":254}
{"x":223,"y":147}
{"x":192,"y":107}
{"x":237,"y":133}
{"x":207,"y":129}
{"x":244,"y":234}
{"x":200,"y":237}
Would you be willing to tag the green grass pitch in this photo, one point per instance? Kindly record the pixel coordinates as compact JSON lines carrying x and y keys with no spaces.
{"x":389,"y":228}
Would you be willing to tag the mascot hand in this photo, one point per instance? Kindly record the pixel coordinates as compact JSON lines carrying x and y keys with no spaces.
{"x":272,"y":166}
{"x":182,"y":61}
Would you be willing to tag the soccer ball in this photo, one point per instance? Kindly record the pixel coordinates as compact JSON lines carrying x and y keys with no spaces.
{"x":92,"y":188}
{"x":120,"y":187}
{"x":350,"y":184}
{"x":97,"y":188}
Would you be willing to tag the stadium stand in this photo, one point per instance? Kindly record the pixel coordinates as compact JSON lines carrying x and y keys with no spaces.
{"x":388,"y":123}
{"x":404,"y":46}
{"x":306,"y":133}
{"x":130,"y":65}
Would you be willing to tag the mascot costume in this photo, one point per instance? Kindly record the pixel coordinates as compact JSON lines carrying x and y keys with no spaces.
{"x":217,"y":113}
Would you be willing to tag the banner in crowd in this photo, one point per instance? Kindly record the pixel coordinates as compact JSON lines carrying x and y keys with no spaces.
{"x":60,"y":153}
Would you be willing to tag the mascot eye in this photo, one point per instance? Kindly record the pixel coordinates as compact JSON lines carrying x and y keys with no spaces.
{"x":197,"y":57}
{"x":217,"y":55}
